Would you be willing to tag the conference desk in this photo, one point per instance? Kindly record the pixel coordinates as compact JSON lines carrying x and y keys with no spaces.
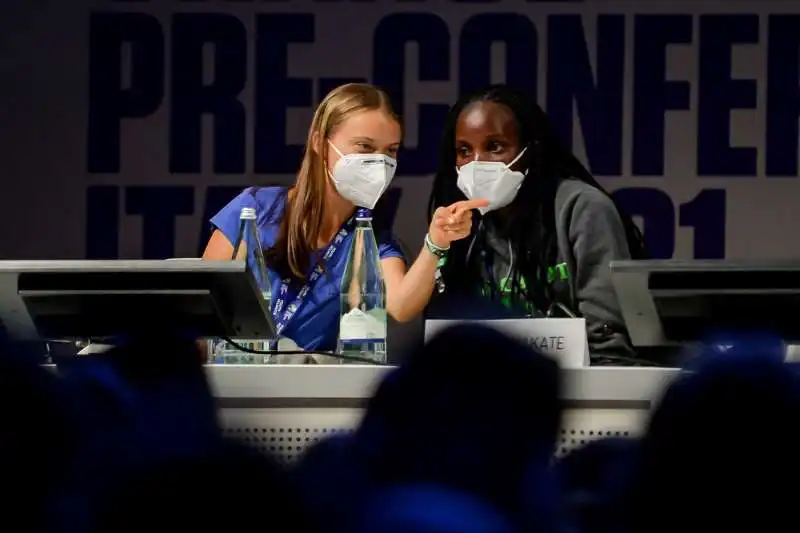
{"x":284,"y":409}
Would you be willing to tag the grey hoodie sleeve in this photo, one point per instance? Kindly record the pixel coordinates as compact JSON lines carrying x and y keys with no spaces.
{"x":596,"y":237}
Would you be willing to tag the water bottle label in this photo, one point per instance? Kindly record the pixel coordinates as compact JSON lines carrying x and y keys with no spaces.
{"x":360,"y":326}
{"x":221,"y":352}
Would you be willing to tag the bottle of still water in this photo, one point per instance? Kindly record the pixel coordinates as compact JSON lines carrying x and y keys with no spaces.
{"x":247,"y":248}
{"x":363,"y":319}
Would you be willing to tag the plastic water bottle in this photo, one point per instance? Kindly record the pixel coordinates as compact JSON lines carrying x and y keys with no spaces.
{"x":363,"y":319}
{"x":247,"y":248}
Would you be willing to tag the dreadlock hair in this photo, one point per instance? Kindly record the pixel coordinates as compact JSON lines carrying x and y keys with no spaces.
{"x":532,"y":227}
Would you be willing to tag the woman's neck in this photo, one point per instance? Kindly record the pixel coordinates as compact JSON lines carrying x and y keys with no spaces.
{"x":335,"y":212}
{"x":501,"y":220}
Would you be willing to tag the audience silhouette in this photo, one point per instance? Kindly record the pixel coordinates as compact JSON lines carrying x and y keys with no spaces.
{"x":460,"y":438}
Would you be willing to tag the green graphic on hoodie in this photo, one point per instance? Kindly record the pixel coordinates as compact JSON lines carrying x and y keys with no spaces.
{"x":555,"y":273}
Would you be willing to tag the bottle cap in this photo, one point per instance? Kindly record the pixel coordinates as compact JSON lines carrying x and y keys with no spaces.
{"x":363,"y":214}
{"x":248,"y":213}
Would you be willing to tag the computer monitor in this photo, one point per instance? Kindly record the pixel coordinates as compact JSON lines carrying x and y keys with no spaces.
{"x":93,"y":299}
{"x":668,"y":303}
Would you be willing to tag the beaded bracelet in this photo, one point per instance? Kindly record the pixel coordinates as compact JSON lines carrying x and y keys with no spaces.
{"x":438,"y":251}
{"x":441,"y":255}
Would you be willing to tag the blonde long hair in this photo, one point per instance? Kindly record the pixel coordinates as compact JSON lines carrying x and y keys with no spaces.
{"x":302,"y":222}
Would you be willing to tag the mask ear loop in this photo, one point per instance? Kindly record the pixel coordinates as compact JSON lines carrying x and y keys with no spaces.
{"x":534,"y":145}
{"x":335,"y":149}
{"x":339,"y":152}
{"x":519,"y":156}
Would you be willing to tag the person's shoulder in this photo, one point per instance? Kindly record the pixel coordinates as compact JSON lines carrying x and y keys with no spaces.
{"x":270,"y":202}
{"x":574,"y":194}
{"x":389,"y":245}
{"x":268,"y":197}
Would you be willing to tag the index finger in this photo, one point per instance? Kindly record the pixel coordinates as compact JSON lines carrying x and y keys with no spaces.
{"x":469,"y":205}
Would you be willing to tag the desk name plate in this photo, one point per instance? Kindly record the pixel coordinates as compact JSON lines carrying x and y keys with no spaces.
{"x":564,"y":339}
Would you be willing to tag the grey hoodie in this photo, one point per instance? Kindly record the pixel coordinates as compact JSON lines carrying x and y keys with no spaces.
{"x":590,"y":235}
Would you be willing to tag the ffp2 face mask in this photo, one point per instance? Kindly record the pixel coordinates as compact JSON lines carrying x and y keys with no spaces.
{"x":493,"y":181}
{"x":362,"y":178}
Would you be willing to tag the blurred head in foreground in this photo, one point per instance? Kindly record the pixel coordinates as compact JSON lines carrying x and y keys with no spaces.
{"x":719,"y":448}
{"x":37,"y":439}
{"x":232,"y":489}
{"x":473,"y":411}
{"x":595,"y":479}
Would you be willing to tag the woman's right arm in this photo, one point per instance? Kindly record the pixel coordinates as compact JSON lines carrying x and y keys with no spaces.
{"x":219,"y":248}
{"x":408,"y":292}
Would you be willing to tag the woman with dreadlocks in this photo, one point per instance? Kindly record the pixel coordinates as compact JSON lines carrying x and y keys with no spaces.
{"x":543,"y":245}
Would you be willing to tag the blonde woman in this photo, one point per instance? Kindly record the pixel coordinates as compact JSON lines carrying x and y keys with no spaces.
{"x":350,"y":160}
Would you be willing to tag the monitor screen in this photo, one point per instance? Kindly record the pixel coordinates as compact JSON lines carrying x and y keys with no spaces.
{"x":74,"y":299}
{"x":675,"y":302}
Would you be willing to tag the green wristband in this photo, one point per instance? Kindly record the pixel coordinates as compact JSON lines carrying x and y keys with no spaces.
{"x":438,"y":251}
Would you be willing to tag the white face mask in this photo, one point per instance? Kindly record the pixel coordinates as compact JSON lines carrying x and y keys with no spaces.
{"x":490,"y":180}
{"x":362,"y":178}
